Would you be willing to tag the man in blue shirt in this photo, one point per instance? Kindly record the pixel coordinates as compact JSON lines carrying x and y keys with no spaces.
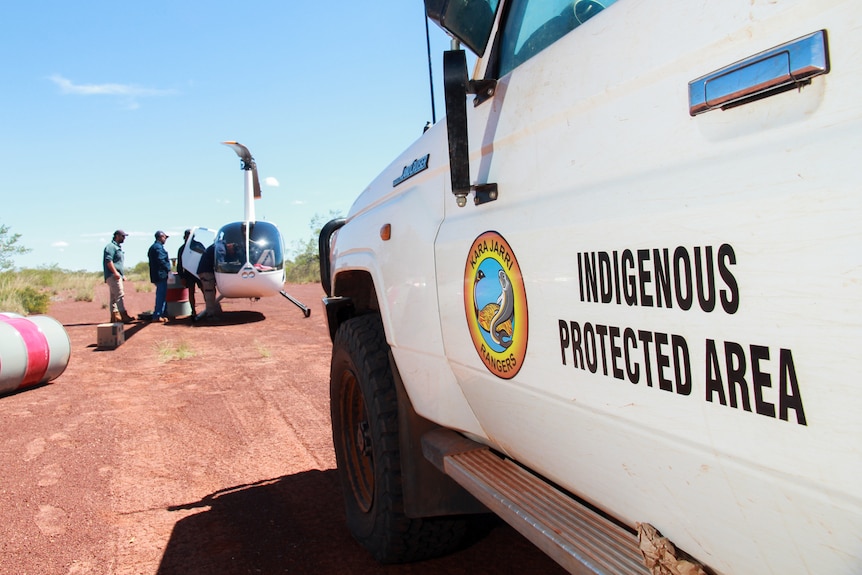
{"x":160,"y":268}
{"x":115,"y":273}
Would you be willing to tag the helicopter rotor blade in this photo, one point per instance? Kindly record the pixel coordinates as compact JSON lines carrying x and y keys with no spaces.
{"x":243,"y":153}
{"x":256,"y":181}
{"x":248,"y":163}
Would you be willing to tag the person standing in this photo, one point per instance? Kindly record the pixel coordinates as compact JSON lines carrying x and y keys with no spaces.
{"x":206,"y":272}
{"x":188,"y":278}
{"x":160,"y":268}
{"x":115,"y":273}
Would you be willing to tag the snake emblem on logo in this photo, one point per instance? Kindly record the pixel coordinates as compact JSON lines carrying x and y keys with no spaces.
{"x":496,"y":305}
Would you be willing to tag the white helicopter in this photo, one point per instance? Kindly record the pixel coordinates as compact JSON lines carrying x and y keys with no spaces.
{"x":249,"y":255}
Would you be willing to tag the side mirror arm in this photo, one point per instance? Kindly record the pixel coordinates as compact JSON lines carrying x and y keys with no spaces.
{"x":456,"y":86}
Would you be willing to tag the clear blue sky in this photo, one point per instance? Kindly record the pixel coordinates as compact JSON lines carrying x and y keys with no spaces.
{"x":112,"y":114}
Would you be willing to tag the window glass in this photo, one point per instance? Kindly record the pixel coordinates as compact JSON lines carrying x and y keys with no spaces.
{"x":230,"y":248}
{"x":470,"y":21}
{"x":265,"y":250}
{"x":202,"y":238}
{"x":533,"y":25}
{"x":473,"y":22}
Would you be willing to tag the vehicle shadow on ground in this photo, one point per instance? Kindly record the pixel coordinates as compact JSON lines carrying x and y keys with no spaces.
{"x":289,"y":524}
{"x":296,"y":524}
{"x":228,"y":318}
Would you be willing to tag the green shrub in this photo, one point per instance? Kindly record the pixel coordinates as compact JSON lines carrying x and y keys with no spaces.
{"x":33,"y":301}
{"x":29,"y":291}
{"x":305,"y":267}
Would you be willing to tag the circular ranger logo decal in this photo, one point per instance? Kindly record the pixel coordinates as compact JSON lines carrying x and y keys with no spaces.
{"x":496,"y":305}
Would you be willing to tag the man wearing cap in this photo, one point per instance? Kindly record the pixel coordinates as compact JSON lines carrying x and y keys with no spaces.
{"x":115,"y":272}
{"x":160,"y":268}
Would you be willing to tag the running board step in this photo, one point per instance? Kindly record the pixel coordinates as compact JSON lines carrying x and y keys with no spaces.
{"x":575,"y":536}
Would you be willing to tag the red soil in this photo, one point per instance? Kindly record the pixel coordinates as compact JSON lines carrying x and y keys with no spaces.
{"x":135,"y":460}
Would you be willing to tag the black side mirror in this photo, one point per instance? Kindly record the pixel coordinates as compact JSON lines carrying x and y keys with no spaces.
{"x":470,"y":21}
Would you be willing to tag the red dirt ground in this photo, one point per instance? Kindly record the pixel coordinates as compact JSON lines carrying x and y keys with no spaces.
{"x":135,"y":461}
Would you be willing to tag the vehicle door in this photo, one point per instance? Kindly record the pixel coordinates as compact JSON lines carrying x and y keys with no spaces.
{"x":661,"y":301}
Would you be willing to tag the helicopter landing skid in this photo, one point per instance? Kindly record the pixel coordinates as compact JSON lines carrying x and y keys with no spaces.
{"x":305,"y":311}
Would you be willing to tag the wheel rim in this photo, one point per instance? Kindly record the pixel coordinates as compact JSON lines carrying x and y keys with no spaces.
{"x":356,"y":443}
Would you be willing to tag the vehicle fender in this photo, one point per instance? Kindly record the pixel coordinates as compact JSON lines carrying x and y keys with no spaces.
{"x":427,"y":491}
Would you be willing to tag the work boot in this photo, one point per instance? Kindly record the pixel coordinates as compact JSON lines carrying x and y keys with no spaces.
{"x":116,"y":317}
{"x":126,"y":318}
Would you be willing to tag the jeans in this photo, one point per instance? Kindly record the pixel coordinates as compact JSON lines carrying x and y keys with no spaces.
{"x":161,"y":299}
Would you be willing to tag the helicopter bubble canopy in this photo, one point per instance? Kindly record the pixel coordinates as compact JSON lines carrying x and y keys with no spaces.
{"x":249,"y":259}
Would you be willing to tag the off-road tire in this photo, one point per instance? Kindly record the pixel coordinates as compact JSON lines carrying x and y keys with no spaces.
{"x":364,"y":409}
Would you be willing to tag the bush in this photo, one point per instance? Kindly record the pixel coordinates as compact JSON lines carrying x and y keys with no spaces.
{"x":139,"y":273}
{"x":30,"y":291}
{"x":305,"y":267}
{"x":34,"y":302}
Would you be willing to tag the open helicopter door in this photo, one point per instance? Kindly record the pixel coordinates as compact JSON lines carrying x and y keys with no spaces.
{"x":197,"y":243}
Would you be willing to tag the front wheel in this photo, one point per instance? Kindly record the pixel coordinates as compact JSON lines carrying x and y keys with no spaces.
{"x":364,"y":409}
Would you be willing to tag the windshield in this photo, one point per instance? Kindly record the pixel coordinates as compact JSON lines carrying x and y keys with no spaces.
{"x":261,"y":247}
{"x":533,"y":25}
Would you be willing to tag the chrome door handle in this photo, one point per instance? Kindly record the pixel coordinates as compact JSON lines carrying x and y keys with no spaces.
{"x":784,"y":66}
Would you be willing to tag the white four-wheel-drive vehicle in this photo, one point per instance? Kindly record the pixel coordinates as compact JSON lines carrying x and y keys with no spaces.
{"x":616,"y":296}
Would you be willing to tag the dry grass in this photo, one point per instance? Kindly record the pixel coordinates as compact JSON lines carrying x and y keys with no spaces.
{"x":30,"y":291}
{"x":171,"y":351}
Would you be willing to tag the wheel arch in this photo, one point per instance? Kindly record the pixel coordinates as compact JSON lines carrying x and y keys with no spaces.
{"x":353,"y":294}
{"x":427,"y":491}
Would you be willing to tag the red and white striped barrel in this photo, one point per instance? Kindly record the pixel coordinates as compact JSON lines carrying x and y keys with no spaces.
{"x":33,"y":350}
{"x":177,"y":298}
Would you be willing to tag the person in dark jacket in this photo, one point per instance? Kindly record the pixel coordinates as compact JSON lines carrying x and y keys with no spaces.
{"x":160,"y":268}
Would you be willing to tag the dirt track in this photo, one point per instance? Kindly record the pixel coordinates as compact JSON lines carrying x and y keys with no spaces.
{"x":136,"y":462}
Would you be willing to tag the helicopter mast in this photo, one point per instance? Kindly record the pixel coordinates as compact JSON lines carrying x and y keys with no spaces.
{"x":252,"y":185}
{"x":249,"y":201}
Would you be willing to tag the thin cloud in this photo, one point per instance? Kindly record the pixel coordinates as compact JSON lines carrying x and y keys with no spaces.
{"x":128,"y":90}
{"x":271,"y":182}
